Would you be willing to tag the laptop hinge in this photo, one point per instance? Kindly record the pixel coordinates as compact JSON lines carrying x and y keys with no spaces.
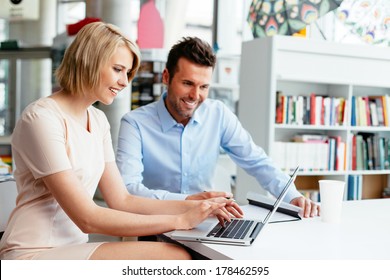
{"x":256,"y":230}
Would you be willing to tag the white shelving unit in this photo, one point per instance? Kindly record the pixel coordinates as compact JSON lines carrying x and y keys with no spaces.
{"x":299,"y":66}
{"x":14,"y":64}
{"x":225,"y":88}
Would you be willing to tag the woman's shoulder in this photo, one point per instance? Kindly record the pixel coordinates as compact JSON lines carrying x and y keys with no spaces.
{"x":42,"y":108}
{"x":38,"y":118}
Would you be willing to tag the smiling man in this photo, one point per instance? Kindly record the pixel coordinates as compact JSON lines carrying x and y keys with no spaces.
{"x":169,"y":149}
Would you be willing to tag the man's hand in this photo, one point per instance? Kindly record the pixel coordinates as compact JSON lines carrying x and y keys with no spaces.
{"x":309,"y":207}
{"x":208,"y":195}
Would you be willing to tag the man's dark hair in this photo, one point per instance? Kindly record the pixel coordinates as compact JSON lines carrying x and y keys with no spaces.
{"x":192,"y":49}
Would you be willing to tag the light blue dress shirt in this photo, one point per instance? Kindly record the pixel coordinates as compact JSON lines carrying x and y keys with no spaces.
{"x":161,"y":158}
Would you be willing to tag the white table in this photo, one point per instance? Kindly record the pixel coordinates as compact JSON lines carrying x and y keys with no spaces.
{"x":364,"y":233}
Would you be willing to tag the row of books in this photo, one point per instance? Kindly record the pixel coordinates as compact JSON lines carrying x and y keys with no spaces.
{"x":311,"y":153}
{"x":5,"y":165}
{"x":370,"y":151}
{"x":353,"y":190}
{"x":311,"y":110}
{"x":354,"y":187}
{"x":325,"y":110}
{"x":370,"y":111}
{"x":316,"y":152}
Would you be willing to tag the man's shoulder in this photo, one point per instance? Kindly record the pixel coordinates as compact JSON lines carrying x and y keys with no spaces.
{"x":213,"y":104}
{"x":145,"y":111}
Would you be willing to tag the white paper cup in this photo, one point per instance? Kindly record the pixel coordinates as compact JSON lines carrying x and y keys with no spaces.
{"x":331,"y":198}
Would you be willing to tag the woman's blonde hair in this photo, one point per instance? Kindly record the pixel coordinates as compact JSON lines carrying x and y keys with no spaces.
{"x":93,"y":46}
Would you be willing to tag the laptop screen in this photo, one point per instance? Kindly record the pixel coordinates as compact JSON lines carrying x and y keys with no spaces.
{"x":282,"y":195}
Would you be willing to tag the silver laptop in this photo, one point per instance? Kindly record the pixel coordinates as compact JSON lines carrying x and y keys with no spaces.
{"x":237,"y":232}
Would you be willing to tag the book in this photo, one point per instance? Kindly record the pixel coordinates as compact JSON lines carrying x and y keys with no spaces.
{"x":343,"y":112}
{"x":361,"y":111}
{"x":381,"y":153}
{"x":367,"y":110}
{"x":354,"y":187}
{"x":370,"y":154}
{"x":279,"y":107}
{"x":365,"y":155}
{"x":386,"y":159}
{"x":267,"y":202}
{"x":339,"y":151}
{"x":332,"y":154}
{"x":312,"y":109}
{"x":359,"y":152}
{"x":375,"y":147}
{"x":353,"y":111}
{"x":310,"y":138}
{"x":354,"y":152}
{"x":341,"y":156}
{"x":351,"y":186}
{"x":374,"y":114}
{"x":386,"y":108}
{"x":380,"y":113}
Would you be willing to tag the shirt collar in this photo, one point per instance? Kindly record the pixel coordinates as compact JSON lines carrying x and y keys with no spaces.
{"x":167,"y":121}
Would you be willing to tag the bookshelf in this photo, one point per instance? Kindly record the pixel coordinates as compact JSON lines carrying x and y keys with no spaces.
{"x":147,"y":85}
{"x":300,"y":67}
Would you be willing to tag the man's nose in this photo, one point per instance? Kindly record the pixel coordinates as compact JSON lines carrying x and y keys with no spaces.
{"x":194,"y":94}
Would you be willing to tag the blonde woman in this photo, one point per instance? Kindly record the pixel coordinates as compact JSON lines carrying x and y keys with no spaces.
{"x":62,"y":150}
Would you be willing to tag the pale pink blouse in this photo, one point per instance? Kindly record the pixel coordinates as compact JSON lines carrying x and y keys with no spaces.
{"x":45,"y":141}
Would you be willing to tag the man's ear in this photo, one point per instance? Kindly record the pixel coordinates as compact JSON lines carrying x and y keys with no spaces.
{"x":165,"y":77}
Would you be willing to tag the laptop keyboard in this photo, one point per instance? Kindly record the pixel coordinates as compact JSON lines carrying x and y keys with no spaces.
{"x":236,"y":229}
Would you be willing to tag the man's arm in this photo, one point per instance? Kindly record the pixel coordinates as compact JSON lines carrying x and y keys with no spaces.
{"x":238,"y":143}
{"x":129,"y":160}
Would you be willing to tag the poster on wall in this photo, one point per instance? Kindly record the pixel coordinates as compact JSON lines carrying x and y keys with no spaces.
{"x":19,"y":10}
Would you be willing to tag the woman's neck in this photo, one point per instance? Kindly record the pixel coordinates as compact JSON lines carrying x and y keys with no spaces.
{"x":75,"y":106}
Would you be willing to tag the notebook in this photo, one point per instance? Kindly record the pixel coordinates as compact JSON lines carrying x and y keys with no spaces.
{"x":237,"y":232}
{"x":285,"y":211}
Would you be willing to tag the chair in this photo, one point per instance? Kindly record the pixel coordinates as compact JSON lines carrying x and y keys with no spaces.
{"x":8,"y":193}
